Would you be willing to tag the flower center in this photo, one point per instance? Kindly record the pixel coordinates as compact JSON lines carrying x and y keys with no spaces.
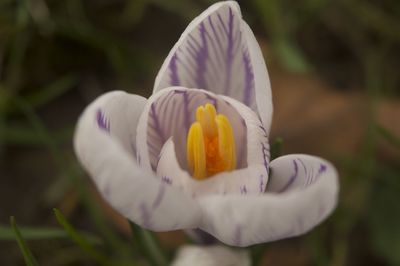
{"x":210,"y":143}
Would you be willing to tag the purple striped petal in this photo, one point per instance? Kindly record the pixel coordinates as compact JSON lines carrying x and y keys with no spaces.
{"x":170,"y":115}
{"x":119,"y":116}
{"x":298,"y":173}
{"x":212,"y":55}
{"x":297,"y":199}
{"x":108,"y":158}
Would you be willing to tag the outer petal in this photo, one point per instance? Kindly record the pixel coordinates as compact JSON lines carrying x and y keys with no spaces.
{"x":218,"y":52}
{"x":135,"y":193}
{"x":309,"y":199}
{"x":211,"y":256}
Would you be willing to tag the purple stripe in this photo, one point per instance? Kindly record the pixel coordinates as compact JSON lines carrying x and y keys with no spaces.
{"x":174,"y":70}
{"x":152,"y":147}
{"x":174,"y":109}
{"x":192,"y":47}
{"x":221,"y":22}
{"x":201,"y":58}
{"x":218,"y":55}
{"x":248,"y":79}
{"x":292,"y":178}
{"x":164,"y":103}
{"x":238,"y":235}
{"x":157,"y":125}
{"x":189,"y":66}
{"x":265,"y":152}
{"x":264,"y":131}
{"x":311,"y":180}
{"x":304,"y":166}
{"x":262,"y":189}
{"x":229,"y":53}
{"x":322,"y":169}
{"x":166,"y":180}
{"x":102,"y":121}
{"x":216,"y":36}
{"x":214,"y":65}
{"x":145,"y":215}
{"x":186,"y":108}
{"x":160,"y":196}
{"x":243,"y":189}
{"x":237,"y":42}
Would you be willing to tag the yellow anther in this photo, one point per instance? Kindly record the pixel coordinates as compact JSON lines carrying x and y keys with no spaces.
{"x":206,"y":116}
{"x":226,"y":142}
{"x":196,"y":151}
{"x":210,"y":143}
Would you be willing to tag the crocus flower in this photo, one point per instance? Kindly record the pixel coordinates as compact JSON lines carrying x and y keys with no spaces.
{"x":195,"y":155}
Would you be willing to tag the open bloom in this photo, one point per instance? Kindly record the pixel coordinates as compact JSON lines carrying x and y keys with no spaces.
{"x":195,"y":155}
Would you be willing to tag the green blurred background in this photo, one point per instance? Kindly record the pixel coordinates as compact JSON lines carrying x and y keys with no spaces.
{"x":334,"y":68}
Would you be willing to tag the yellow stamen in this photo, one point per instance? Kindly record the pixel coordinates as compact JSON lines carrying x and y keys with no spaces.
{"x":210,"y":143}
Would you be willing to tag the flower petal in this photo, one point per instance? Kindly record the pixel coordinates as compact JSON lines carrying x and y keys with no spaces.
{"x":216,"y":255}
{"x":218,"y":52}
{"x":263,"y":95}
{"x":244,"y":221}
{"x":257,"y":136}
{"x":135,"y":193}
{"x":170,"y":112}
{"x":119,"y":117}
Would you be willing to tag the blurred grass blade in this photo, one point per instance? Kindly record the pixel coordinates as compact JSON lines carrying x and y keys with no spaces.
{"x":52,"y":91}
{"x":41,"y":233}
{"x":18,"y":49}
{"x":148,"y":245}
{"x":74,"y":172}
{"x":276,"y":148}
{"x":79,"y":239}
{"x":22,"y":135}
{"x":275,"y":23}
{"x":389,"y":136}
{"x":96,"y":215}
{"x":28,"y":256}
{"x":184,"y":9}
{"x":291,"y":56}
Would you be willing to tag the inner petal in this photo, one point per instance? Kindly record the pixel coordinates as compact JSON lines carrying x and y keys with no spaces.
{"x":172,"y":111}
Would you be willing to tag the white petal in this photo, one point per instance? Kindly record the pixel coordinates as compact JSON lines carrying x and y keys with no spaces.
{"x":262,"y":84}
{"x":211,"y":256}
{"x":218,"y":52}
{"x":119,"y":116}
{"x":134,"y":192}
{"x":244,"y":221}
